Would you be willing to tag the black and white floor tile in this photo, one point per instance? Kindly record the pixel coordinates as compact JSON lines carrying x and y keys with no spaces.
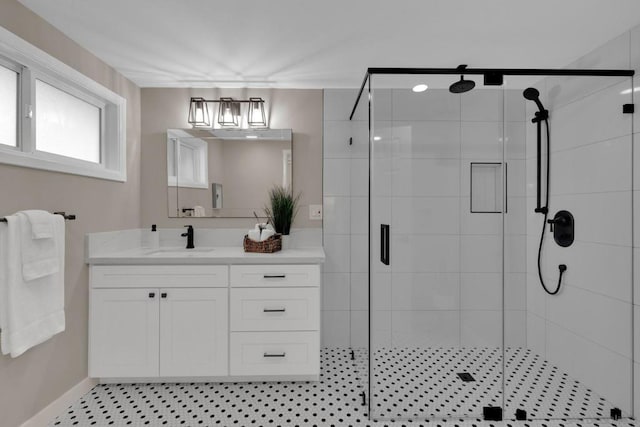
{"x":423,"y":383}
{"x":413,"y":383}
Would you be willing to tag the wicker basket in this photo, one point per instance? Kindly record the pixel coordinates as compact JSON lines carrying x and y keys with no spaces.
{"x":272,"y":244}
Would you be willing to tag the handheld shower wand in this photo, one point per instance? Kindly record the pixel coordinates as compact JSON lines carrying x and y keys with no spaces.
{"x":532,"y":94}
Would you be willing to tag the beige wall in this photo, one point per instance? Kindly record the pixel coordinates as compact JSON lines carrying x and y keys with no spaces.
{"x":33,"y":380}
{"x":300,"y":110}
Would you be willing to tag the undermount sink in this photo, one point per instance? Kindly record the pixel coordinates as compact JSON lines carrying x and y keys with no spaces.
{"x":179,"y":251}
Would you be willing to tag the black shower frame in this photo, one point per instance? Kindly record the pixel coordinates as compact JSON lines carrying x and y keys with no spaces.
{"x":493,"y":72}
{"x":491,"y":77}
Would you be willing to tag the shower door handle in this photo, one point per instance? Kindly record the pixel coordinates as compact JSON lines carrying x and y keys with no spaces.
{"x":384,"y":244}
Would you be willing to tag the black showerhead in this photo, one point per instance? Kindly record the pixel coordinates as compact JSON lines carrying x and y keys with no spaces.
{"x":532,"y":94}
{"x":462,"y":86}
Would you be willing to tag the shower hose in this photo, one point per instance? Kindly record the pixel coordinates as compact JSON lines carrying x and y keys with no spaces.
{"x":561,"y":267}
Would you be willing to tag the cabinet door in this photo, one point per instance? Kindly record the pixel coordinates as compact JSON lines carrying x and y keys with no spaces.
{"x":124,"y":330}
{"x":194,"y":332}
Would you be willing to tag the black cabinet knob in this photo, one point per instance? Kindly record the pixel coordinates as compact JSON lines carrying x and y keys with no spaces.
{"x":163,"y":295}
{"x":152,"y":295}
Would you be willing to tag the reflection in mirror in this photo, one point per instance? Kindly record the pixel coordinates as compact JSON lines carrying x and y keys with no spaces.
{"x":225,"y":173}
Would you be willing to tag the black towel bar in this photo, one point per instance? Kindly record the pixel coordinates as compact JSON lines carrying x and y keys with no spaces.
{"x":69,"y":217}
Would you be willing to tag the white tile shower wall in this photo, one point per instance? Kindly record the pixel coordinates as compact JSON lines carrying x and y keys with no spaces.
{"x":344,"y":297}
{"x":447,"y":262}
{"x":587,"y":329}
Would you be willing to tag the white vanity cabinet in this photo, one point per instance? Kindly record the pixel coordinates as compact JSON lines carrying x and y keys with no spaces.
{"x":204,"y":322}
{"x":158,"y":321}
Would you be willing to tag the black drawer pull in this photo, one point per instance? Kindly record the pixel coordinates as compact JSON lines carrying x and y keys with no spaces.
{"x":152,"y":295}
{"x":274,"y":310}
{"x":283,"y":354}
{"x":163,"y":295}
{"x":275,"y":276}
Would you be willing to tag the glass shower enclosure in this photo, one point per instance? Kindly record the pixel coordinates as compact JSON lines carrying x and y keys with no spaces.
{"x":459,"y":324}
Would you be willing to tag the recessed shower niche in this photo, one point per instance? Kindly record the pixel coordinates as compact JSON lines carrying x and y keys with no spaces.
{"x":486,"y":187}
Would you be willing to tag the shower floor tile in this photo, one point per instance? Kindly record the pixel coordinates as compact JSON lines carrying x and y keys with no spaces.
{"x":411,"y":383}
{"x":335,"y":400}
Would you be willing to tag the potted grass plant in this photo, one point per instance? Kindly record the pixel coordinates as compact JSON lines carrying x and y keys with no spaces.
{"x":282,"y":209}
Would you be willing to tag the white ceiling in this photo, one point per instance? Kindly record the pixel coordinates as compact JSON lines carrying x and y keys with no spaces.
{"x":328,"y":43}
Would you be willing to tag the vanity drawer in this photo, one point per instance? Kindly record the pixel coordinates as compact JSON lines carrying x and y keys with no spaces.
{"x":275,"y":275}
{"x":274,"y":353}
{"x":275,"y":309}
{"x":191,"y":276}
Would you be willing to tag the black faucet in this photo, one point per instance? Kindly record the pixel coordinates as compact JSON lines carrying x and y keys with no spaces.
{"x":189,"y":236}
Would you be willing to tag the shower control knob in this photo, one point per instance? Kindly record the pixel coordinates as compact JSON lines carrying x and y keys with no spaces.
{"x":559,"y":220}
{"x":562,"y":227}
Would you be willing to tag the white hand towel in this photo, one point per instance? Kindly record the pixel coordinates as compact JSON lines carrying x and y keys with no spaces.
{"x":254,"y":235}
{"x":266,"y":233}
{"x":41,"y":223}
{"x":39,"y":256}
{"x":31,"y":312}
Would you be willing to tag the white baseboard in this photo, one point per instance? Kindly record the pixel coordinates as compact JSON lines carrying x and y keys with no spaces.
{"x":58,"y":406}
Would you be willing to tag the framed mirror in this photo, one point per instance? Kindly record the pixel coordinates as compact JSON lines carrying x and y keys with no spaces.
{"x":225,"y":173}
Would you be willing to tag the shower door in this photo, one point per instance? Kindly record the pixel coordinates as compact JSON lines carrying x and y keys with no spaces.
{"x":437,"y":205}
{"x":574,"y":360}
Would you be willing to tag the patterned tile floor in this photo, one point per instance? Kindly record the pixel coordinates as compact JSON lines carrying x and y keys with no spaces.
{"x":408,"y":383}
{"x":423,"y":383}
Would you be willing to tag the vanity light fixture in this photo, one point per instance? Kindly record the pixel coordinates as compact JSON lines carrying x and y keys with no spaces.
{"x":256,"y":117}
{"x":229,"y":112}
{"x":199,"y":112}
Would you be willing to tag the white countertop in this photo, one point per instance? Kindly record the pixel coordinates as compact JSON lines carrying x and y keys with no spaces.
{"x":206,"y":255}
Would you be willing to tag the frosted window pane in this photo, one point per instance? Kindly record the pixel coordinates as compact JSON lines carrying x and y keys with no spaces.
{"x":66,"y":125}
{"x":8,"y":106}
{"x":187,"y":164}
{"x":171,"y":164}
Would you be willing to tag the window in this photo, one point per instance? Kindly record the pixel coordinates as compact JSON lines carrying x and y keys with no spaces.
{"x":66,"y":125}
{"x":8,"y":106}
{"x":54,"y":118}
{"x":187,"y":162}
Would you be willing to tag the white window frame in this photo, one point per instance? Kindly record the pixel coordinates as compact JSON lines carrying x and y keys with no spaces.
{"x":32,"y":63}
{"x":200,"y":151}
{"x":13,"y":66}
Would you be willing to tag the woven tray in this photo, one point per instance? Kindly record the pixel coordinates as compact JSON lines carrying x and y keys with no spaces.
{"x":272,"y":244}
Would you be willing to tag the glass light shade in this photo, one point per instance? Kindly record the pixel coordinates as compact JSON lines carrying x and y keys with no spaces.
{"x":256,"y":116}
{"x":229,"y":113}
{"x":199,"y":112}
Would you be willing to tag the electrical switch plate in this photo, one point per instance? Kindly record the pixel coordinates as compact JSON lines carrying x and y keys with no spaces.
{"x":315,"y":212}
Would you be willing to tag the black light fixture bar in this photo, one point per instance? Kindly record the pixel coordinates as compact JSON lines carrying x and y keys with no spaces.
{"x":493,"y":72}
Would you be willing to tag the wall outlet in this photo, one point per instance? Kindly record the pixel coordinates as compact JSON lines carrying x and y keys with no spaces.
{"x":315,"y":212}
